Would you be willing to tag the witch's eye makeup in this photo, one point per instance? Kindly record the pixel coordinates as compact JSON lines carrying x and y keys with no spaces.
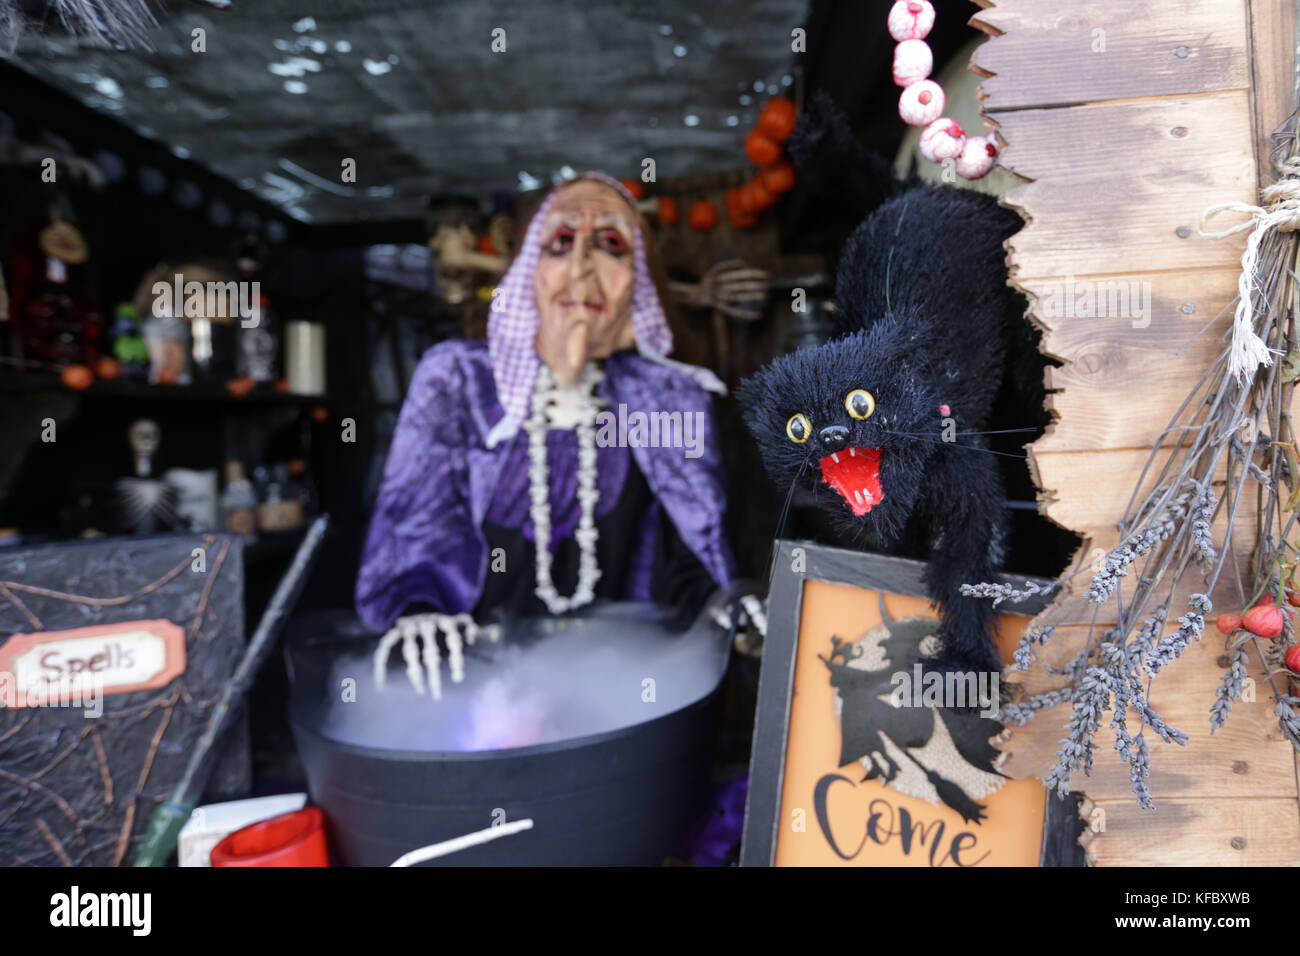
{"x":612,"y":241}
{"x":561,"y":240}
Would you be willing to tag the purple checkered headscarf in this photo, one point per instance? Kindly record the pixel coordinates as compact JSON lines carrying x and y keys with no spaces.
{"x":512,"y":326}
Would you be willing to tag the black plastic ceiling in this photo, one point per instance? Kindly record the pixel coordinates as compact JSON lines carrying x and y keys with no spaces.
{"x":416,"y":95}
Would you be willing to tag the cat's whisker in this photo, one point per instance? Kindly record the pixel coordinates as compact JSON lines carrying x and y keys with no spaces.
{"x":785,"y":514}
{"x":953,"y":444}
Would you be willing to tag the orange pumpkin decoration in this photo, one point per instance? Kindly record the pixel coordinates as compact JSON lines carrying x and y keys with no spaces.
{"x":702,"y":216}
{"x":736,"y":215}
{"x":667,"y":210}
{"x":634,"y":187}
{"x":168,"y":375}
{"x":108,"y":368}
{"x":761,"y":196}
{"x":746,"y":201}
{"x":77,"y":377}
{"x":779,"y":176}
{"x":776,"y":119}
{"x":760,"y":148}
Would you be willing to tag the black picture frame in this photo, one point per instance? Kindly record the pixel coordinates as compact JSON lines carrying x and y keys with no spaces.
{"x":1061,"y":824}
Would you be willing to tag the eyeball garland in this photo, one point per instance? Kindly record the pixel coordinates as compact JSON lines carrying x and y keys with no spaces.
{"x":977,"y":157}
{"x":911,"y":20}
{"x":942,"y":139}
{"x":913,"y":62}
{"x":922,"y":101}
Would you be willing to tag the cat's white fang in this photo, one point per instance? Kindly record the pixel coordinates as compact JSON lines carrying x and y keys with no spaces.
{"x":858,"y":496}
{"x":853,"y":453}
{"x":835,"y":457}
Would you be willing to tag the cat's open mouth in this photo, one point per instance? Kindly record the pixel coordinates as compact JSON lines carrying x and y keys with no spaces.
{"x":855,"y":474}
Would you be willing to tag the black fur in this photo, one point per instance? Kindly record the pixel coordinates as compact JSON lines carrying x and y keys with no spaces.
{"x":834,"y":166}
{"x":925,"y":313}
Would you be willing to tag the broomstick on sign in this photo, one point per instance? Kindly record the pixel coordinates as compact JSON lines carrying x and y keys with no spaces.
{"x":939,"y":754}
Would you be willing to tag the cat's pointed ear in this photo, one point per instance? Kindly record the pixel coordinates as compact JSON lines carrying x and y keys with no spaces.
{"x":830,"y":159}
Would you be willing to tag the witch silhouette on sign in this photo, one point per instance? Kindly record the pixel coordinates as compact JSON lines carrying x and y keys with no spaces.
{"x":939,"y":754}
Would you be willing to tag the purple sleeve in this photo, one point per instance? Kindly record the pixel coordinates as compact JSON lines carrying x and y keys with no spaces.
{"x":423,"y":543}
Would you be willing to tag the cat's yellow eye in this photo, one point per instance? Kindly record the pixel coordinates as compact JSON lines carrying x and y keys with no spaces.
{"x":859,"y":403}
{"x":798,"y":428}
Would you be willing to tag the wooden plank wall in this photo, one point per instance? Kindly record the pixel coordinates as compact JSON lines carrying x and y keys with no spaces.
{"x":1126,"y":121}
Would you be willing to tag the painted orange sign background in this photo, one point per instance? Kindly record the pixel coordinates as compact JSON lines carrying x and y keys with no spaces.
{"x":870,"y":823}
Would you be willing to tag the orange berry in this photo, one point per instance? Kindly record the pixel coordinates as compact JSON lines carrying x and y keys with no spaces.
{"x":1227,"y":623}
{"x":1264,"y":620}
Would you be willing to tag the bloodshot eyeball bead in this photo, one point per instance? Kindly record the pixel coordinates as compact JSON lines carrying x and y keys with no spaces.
{"x":912,"y":62}
{"x":921,"y":103}
{"x":910,"y":19}
{"x":942,"y":139}
{"x":977,"y":157}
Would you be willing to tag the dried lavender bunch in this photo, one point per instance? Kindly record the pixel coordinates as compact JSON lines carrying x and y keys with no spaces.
{"x":1021,"y":712}
{"x":1024,"y":650}
{"x":1190,"y":626}
{"x":1229,"y":689}
{"x":1091,"y":700}
{"x":1007,"y":592}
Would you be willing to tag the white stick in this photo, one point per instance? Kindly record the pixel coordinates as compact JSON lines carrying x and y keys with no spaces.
{"x":462,"y":843}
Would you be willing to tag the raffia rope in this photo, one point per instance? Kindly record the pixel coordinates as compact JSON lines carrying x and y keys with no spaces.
{"x":1282,"y":214}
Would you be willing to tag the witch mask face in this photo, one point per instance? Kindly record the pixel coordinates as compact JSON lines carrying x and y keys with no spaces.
{"x":585,"y":276}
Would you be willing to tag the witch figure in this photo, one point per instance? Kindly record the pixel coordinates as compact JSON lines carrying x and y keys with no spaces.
{"x":564,"y":460}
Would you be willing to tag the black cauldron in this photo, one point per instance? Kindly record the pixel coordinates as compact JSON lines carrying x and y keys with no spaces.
{"x":622,"y":797}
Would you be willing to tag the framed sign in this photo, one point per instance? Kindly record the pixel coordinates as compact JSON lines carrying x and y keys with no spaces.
{"x":862,"y":758}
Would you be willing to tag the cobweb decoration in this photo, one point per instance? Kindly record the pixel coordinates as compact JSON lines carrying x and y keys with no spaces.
{"x":119,"y":23}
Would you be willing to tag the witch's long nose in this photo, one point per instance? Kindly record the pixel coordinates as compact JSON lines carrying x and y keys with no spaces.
{"x":581,"y":266}
{"x":833,"y":438}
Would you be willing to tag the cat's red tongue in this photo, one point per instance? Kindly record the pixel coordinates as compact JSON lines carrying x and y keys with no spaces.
{"x":855,"y":474}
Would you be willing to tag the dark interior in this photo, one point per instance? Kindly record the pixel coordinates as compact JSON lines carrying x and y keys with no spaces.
{"x":235,"y":151}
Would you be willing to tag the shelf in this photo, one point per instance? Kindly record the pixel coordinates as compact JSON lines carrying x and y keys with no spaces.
{"x":39,"y":383}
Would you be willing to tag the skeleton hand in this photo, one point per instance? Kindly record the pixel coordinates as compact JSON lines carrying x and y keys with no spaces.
{"x":417,"y":629}
{"x":735,"y":289}
{"x":732,"y":287}
{"x":747,"y":614}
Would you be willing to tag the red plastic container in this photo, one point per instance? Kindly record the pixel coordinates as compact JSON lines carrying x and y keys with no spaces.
{"x":293,"y":839}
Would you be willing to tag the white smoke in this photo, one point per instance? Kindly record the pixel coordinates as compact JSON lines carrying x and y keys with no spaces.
{"x":588,"y":677}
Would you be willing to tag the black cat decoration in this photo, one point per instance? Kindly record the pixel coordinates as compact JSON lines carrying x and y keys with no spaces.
{"x":885,"y":420}
{"x":934,"y":753}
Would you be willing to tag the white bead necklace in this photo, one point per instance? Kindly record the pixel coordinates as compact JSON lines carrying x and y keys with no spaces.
{"x":550,"y":404}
